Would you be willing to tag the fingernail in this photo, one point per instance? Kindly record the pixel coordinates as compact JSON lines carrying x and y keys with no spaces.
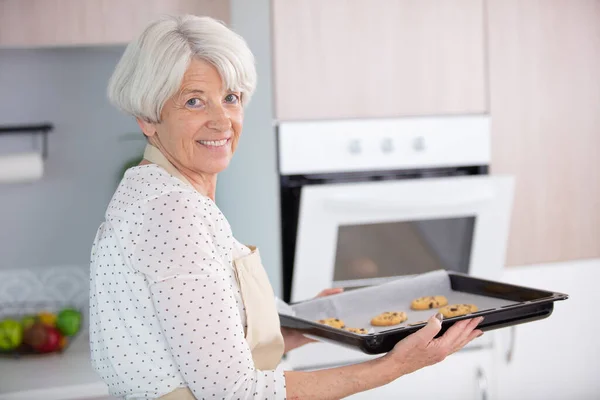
{"x":481,"y":319}
{"x":439,"y":316}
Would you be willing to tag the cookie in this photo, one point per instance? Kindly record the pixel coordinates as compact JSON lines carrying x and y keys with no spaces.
{"x":455,"y":310}
{"x":389,"y":318}
{"x":362,"y":331}
{"x":428,"y":302}
{"x":333,"y":322}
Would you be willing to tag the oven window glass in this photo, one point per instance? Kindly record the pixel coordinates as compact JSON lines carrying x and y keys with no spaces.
{"x":371,"y":251}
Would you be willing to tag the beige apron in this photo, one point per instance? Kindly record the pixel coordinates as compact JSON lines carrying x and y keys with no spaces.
{"x":263,"y":332}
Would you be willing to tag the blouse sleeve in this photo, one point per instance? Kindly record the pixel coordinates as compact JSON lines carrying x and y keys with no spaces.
{"x":194,"y":301}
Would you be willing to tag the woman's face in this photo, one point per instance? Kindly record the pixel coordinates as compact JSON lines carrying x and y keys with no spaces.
{"x":201,"y":123}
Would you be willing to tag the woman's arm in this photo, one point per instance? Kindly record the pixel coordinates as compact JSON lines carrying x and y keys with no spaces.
{"x":193,"y":296}
{"x":415,"y":352}
{"x":293,"y":339}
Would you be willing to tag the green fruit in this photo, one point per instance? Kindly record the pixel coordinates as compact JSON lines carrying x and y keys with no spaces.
{"x":11,"y":334}
{"x":68,"y":321}
{"x":27,"y":321}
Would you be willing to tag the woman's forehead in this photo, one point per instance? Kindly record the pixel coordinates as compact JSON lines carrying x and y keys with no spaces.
{"x":201,"y":75}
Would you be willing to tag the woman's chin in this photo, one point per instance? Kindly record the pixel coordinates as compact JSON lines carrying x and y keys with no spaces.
{"x":213,"y":165}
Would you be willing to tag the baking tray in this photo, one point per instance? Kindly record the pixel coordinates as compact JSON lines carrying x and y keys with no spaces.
{"x":500,"y":304}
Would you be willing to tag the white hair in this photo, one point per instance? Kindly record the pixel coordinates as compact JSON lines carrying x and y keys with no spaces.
{"x":152,"y":66}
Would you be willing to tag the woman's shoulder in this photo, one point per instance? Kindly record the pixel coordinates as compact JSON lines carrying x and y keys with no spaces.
{"x":151,"y":180}
{"x":150,"y":185}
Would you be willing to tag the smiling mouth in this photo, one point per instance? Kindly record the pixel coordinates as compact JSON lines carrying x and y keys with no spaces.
{"x":214,"y":143}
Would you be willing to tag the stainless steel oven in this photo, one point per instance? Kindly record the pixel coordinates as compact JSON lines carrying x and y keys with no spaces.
{"x":364,"y":201}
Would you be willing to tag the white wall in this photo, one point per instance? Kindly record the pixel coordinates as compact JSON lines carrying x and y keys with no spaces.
{"x":53,"y":221}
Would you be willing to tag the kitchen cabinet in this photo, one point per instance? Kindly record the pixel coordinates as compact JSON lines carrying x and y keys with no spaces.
{"x":555,"y":358}
{"x":382,"y":58}
{"x":468,"y":374}
{"x":461,"y":376}
{"x":544,"y":58}
{"x":51,"y":23}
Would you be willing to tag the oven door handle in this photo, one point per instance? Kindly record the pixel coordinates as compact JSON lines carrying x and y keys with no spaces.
{"x":453,"y":200}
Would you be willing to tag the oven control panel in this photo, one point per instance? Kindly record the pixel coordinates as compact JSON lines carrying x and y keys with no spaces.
{"x":383,"y":144}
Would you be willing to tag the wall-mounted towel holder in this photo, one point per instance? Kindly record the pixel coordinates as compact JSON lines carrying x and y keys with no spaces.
{"x":41,"y":129}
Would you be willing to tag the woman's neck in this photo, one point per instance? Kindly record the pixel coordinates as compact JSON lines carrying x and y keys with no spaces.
{"x":205,"y":184}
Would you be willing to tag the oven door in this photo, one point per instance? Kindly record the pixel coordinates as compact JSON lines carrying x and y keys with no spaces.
{"x":358,"y":234}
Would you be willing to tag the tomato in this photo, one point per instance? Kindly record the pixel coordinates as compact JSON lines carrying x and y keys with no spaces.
{"x":52,"y":342}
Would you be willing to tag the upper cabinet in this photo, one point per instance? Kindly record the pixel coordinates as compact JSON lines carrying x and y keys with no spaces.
{"x":378,"y":58}
{"x":544,"y":59}
{"x":52,"y":23}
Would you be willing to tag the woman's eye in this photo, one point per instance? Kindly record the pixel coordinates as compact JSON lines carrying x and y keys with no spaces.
{"x":195,"y":102}
{"x":232,"y":98}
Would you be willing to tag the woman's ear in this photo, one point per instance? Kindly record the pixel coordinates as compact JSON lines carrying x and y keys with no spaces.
{"x":147,"y":128}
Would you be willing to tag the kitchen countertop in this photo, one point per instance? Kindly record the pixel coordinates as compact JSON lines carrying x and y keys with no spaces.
{"x":67,"y":376}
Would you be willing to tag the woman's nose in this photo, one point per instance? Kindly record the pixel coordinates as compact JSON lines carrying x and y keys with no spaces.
{"x":219,"y":119}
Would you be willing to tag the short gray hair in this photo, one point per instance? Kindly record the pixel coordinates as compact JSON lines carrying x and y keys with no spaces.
{"x":152,"y":66}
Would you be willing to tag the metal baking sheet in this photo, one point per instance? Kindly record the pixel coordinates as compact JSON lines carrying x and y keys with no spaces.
{"x":501,"y":305}
{"x":357,"y":307}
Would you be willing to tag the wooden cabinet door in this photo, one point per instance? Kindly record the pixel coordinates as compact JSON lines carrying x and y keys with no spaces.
{"x":544,"y":58}
{"x":49,"y":23}
{"x":378,"y":58}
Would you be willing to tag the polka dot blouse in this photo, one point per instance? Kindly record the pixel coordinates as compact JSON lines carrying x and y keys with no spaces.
{"x":165,"y":307}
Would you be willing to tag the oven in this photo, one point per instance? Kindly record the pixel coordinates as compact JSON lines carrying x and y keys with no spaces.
{"x":365,"y":201}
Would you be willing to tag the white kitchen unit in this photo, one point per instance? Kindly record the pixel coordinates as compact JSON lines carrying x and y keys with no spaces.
{"x":461,"y":376}
{"x":385,"y":198}
{"x":380,"y":199}
{"x":557,"y":358}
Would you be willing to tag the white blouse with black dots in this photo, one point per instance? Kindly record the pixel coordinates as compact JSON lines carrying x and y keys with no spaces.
{"x":165,"y":307}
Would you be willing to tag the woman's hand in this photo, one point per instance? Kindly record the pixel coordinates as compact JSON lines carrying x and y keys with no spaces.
{"x":421,"y":349}
{"x":294,"y":338}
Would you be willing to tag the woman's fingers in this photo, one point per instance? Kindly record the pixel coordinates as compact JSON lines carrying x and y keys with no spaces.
{"x":453,"y":333}
{"x":458,"y":335}
{"x":466,"y":340}
{"x":465,"y":335}
{"x":329,"y":292}
{"x":426,"y":334}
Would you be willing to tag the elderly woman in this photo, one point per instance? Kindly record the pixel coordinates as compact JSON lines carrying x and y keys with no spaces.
{"x":179,"y":309}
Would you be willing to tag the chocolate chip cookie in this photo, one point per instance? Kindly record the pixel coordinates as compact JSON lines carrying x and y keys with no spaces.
{"x":389,"y":318}
{"x":455,"y":310}
{"x":333,"y":322}
{"x":428,"y":302}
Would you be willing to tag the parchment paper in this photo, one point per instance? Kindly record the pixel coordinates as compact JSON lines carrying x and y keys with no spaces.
{"x":357,"y":307}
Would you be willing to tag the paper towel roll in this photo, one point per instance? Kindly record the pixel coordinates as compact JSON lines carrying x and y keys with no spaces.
{"x":21,"y":167}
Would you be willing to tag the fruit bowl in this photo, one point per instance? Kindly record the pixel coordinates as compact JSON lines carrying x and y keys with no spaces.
{"x":28,"y":328}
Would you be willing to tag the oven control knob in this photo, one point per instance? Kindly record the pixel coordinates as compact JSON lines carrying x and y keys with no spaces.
{"x":354,"y":147}
{"x":387,"y":145}
{"x":419,"y":143}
